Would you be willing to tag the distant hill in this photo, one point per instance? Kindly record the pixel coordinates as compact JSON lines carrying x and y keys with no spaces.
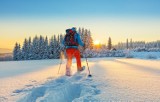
{"x":5,"y":54}
{"x":5,"y":50}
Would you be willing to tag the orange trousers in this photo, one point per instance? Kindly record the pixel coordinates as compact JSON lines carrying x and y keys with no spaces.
{"x":76,"y":53}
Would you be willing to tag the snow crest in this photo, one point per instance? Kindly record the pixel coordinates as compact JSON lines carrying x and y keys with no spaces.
{"x":76,"y":88}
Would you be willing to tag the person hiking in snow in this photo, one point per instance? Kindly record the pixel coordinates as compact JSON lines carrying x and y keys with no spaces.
{"x":71,"y":42}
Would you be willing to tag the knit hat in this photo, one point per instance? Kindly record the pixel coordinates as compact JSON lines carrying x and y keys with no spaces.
{"x":67,"y":30}
{"x":74,"y":28}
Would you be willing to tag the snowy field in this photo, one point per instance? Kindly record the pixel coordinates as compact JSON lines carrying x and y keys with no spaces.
{"x":113,"y":79}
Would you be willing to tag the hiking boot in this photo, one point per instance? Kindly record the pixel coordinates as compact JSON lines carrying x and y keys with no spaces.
{"x":82,"y":69}
{"x":68,"y":72}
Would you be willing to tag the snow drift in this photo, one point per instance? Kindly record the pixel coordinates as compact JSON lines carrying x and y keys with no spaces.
{"x":114,"y":79}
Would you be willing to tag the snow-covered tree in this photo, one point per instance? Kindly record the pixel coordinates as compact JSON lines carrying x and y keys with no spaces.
{"x":41,"y":47}
{"x":109,"y":43}
{"x":79,"y":31}
{"x":127,"y":44}
{"x":61,"y":38}
{"x":54,"y":47}
{"x":57,"y":47}
{"x":35,"y":48}
{"x":29,"y":48}
{"x":131,"y":45}
{"x":51,"y":48}
{"x":86,"y":38}
{"x":46,"y":49}
{"x":62,"y":47}
{"x":90,"y":40}
{"x":17,"y":52}
{"x":25,"y":50}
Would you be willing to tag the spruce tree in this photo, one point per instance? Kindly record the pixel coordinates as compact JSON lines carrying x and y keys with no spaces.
{"x":86,"y":38}
{"x":46,"y":49}
{"x":19,"y":52}
{"x":56,"y":47}
{"x":131,"y":45}
{"x":15,"y":52}
{"x":35,"y":48}
{"x":82,"y":35}
{"x":61,"y":38}
{"x":41,"y":47}
{"x":62,"y":47}
{"x":80,"y":31}
{"x":29,"y":49}
{"x":127,"y":43}
{"x":51,"y":48}
{"x":25,"y":50}
{"x":109,"y":43}
{"x":90,"y":40}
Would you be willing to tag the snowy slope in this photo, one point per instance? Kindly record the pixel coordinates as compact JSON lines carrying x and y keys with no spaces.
{"x":114,"y":79}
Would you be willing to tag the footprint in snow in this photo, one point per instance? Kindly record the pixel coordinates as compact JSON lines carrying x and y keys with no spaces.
{"x":94,"y":86}
{"x":78,"y":77}
{"x":3,"y":99}
{"x":33,"y":80}
{"x":18,"y":91}
{"x":61,"y":80}
{"x":97,"y":92}
{"x":29,"y":85}
{"x":50,"y":78}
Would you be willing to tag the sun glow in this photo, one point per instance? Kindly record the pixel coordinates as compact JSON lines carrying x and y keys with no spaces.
{"x":96,"y":42}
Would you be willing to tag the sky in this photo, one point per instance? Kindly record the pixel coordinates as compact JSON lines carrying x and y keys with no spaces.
{"x":118,"y":19}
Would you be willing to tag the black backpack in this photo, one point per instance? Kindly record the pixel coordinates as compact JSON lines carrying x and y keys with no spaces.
{"x":70,"y":39}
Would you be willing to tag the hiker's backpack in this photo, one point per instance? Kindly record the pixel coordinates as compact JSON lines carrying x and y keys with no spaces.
{"x":70,"y":39}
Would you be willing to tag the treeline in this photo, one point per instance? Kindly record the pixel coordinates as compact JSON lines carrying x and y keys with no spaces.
{"x":43,"y":48}
{"x":38,"y":48}
{"x":139,"y":45}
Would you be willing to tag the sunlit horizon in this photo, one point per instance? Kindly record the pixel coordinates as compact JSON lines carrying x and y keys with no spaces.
{"x":119,"y":31}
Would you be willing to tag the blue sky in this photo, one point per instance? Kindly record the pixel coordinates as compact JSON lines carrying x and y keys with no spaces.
{"x":137,"y":19}
{"x":52,"y":8}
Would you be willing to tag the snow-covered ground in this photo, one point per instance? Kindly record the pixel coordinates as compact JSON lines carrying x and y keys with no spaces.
{"x":143,"y":55}
{"x":113,"y":79}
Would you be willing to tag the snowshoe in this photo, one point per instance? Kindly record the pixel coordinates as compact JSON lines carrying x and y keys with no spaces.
{"x":68,"y":72}
{"x":82,"y":69}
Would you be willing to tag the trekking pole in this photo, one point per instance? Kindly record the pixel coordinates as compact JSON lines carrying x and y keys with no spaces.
{"x":88,"y":68}
{"x":60,"y":64}
{"x":89,"y":75}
